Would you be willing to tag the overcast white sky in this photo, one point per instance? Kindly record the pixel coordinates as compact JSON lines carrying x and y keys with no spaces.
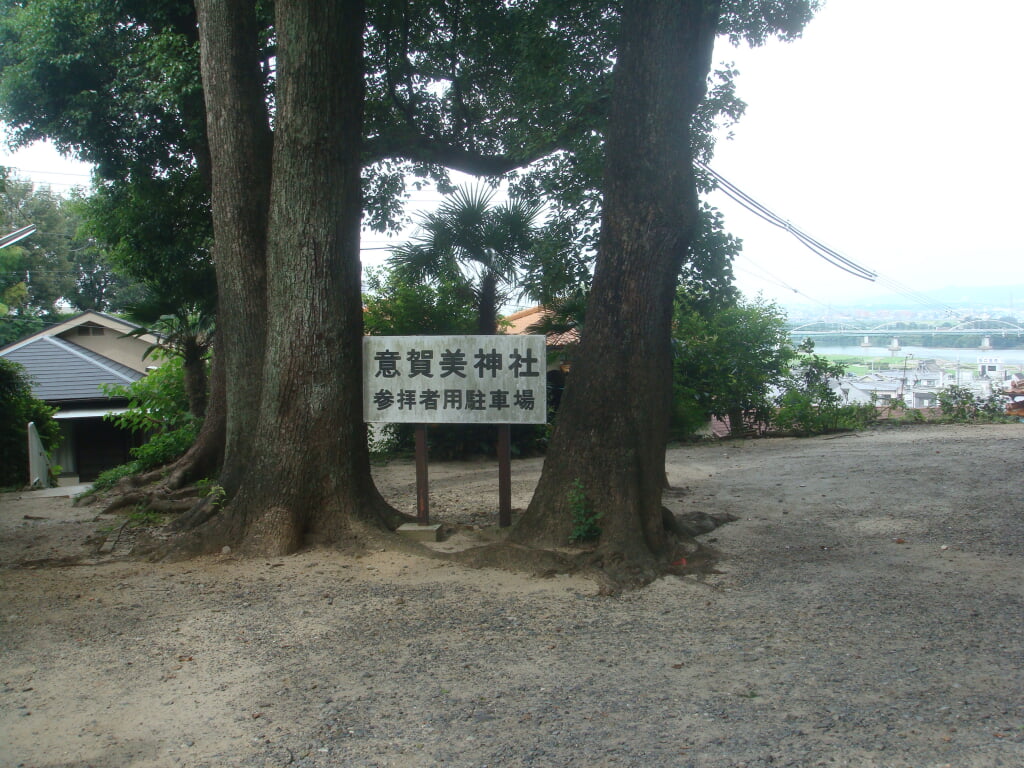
{"x":891,"y":132}
{"x":42,"y":164}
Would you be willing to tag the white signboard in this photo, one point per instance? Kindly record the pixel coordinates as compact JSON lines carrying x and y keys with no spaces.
{"x":455,"y":379}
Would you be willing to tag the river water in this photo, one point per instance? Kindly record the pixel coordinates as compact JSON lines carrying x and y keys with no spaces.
{"x":966,"y":356}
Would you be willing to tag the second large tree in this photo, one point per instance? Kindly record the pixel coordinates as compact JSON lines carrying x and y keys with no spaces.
{"x":614,"y":416}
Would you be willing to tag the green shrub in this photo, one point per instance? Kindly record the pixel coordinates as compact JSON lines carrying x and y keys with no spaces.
{"x":810,"y":406}
{"x":156,"y":403}
{"x":960,"y":404}
{"x":912,"y":416}
{"x":957,"y":403}
{"x":164,"y":447}
{"x":17,"y":409}
{"x":800,"y":413}
{"x":109,"y":477}
{"x":726,"y":361}
{"x":859,"y":416}
{"x":797,"y":412}
{"x":157,"y":406}
{"x":688,"y":416}
{"x":584,"y":519}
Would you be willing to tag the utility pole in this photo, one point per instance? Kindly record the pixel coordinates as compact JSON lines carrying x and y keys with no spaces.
{"x":903,"y":380}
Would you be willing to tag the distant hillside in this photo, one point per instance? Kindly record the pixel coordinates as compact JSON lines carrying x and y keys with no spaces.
{"x":1008,"y":299}
{"x":990,"y":296}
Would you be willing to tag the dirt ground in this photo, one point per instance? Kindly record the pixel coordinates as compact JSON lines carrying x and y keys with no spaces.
{"x":868,"y":610}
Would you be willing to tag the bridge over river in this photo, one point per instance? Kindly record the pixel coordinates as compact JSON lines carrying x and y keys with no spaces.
{"x":984,"y":329}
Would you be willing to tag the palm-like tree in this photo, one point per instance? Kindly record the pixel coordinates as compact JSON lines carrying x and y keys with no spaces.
{"x":469,"y":240}
{"x":564,"y":315}
{"x":185,"y":330}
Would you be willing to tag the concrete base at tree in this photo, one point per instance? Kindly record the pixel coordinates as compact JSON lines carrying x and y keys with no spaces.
{"x":420,"y":532}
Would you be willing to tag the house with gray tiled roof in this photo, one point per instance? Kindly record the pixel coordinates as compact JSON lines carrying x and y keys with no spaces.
{"x":68,"y":363}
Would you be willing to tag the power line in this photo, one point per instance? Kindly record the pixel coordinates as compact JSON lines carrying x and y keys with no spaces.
{"x":833,"y":257}
{"x":44,"y":173}
{"x":769,"y":277}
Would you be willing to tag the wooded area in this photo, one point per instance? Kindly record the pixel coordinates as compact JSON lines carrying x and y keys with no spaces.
{"x":272,"y":138}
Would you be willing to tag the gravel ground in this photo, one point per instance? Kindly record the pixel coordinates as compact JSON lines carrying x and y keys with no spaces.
{"x":867,"y":612}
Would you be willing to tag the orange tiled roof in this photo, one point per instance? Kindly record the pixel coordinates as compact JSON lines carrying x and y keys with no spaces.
{"x":520,"y":322}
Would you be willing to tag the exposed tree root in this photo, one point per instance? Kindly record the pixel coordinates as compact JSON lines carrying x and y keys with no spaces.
{"x":148,"y":500}
{"x":689,"y":525}
{"x":147,"y":491}
{"x":188,"y":492}
{"x":198,"y":513}
{"x":614,"y":571}
{"x":204,"y":526}
{"x":392,"y":517}
{"x":274,"y":530}
{"x":124,"y":501}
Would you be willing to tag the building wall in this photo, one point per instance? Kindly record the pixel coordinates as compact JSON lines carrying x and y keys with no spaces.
{"x":111,"y":344}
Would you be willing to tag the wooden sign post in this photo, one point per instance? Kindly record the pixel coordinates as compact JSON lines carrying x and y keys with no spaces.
{"x":456,"y":380}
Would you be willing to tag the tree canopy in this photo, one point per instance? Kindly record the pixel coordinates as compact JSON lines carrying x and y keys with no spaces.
{"x":471,"y":240}
{"x":488,"y":88}
{"x":599,"y":106}
{"x":58,"y":269}
{"x":727,"y":362}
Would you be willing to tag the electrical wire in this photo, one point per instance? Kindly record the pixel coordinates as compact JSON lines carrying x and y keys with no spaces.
{"x":833,"y":257}
{"x":768,"y":277}
{"x":821,"y":250}
{"x":44,"y":173}
{"x":830,"y":255}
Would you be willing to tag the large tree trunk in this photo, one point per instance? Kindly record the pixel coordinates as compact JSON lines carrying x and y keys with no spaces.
{"x":614,"y":416}
{"x":306,"y":478}
{"x":241,"y":145}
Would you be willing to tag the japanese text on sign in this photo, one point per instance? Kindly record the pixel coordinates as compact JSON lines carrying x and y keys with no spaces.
{"x":472,"y":379}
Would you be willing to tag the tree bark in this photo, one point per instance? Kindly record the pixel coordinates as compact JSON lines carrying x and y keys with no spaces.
{"x":736,"y":426}
{"x":487,"y":305}
{"x":241,"y":145}
{"x":305,"y":478}
{"x":194,"y":368}
{"x":614,"y":416}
